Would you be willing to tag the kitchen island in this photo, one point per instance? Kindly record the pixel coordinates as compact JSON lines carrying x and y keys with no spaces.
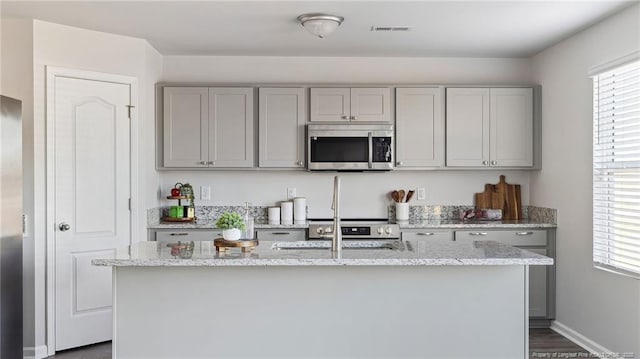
{"x":416,"y":300}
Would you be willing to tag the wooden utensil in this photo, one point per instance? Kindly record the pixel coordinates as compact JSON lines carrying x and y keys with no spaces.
{"x":401,"y":194}
{"x":410,"y":195}
{"x":395,"y":195}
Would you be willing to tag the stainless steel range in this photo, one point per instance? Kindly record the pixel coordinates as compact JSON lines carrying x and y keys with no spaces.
{"x":355,"y":229}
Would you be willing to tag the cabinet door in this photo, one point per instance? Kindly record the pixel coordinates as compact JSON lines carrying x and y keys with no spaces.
{"x":281,"y":235}
{"x":537,"y":286}
{"x":427,"y":235}
{"x":511,"y":126}
{"x":330,"y":104}
{"x":230,"y":127}
{"x":186,"y":126}
{"x":282,"y":117}
{"x":467,"y":127}
{"x":371,"y":104}
{"x":419,"y":128}
{"x":186,"y":235}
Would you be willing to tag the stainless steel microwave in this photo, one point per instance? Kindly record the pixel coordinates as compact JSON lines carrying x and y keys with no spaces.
{"x":350,"y":147}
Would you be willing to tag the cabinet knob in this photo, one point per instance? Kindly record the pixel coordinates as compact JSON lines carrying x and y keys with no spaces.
{"x":353,"y":118}
{"x":300,"y":163}
{"x":400,"y":163}
{"x":344,"y":117}
{"x":485,"y":163}
{"x":64,"y":227}
{"x":494,"y":162}
{"x":203,"y":162}
{"x":211,"y":162}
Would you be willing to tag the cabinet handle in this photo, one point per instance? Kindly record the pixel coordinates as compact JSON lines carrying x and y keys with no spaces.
{"x":485,"y":163}
{"x":344,"y":117}
{"x":478,"y":233}
{"x":353,"y":118}
{"x":203,"y":162}
{"x":211,"y":162}
{"x":280,"y":233}
{"x":426,"y":234}
{"x":494,"y":163}
{"x":178,"y":234}
{"x":524,"y":233}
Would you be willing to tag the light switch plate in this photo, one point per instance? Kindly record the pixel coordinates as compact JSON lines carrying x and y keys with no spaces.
{"x":421,"y":194}
{"x":205,"y":193}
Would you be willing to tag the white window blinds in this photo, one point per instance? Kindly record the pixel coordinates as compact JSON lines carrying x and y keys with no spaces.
{"x":616,"y":169}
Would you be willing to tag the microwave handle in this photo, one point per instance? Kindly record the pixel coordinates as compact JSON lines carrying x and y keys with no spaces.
{"x":370,"y":149}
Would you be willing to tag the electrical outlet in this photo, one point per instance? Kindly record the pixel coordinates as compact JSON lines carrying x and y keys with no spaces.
{"x":205,"y":193}
{"x":421,"y":194}
{"x":291,"y":192}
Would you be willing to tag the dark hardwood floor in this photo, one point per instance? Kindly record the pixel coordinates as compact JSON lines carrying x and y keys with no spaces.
{"x":543,"y":343}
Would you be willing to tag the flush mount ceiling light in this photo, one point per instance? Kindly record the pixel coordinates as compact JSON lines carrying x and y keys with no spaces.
{"x":320,"y":25}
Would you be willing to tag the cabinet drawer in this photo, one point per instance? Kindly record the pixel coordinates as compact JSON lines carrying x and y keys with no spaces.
{"x":287,"y":235}
{"x":187,"y":236}
{"x":427,"y":235}
{"x":524,"y":237}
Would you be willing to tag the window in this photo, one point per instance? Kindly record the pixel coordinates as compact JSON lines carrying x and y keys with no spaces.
{"x":616,"y":169}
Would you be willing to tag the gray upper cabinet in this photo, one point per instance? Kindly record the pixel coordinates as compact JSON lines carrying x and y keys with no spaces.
{"x":231,"y":127}
{"x":489,"y":127}
{"x":208,"y":127}
{"x":186,"y":126}
{"x":350,"y":104}
{"x":419,"y":128}
{"x":282,"y":117}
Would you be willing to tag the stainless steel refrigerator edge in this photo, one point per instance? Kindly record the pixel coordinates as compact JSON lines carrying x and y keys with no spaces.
{"x":10,"y":228}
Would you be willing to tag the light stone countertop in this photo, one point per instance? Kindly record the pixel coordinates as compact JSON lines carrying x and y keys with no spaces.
{"x":443,"y":224}
{"x":408,"y":253}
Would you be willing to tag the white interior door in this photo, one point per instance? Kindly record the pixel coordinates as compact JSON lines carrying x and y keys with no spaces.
{"x":92,"y":191}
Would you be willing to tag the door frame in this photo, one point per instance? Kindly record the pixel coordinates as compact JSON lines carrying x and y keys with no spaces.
{"x":51,"y":73}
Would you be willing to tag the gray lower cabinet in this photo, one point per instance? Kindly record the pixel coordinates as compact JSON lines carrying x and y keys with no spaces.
{"x":427,"y":235}
{"x":174,"y":235}
{"x":282,"y":117}
{"x":208,"y":127}
{"x":541,"y":278}
{"x":281,"y":235}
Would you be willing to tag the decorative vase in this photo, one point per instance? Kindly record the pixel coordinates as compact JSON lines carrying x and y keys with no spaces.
{"x":232,"y":234}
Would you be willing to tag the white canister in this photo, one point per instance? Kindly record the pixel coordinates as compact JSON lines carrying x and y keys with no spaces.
{"x":402,"y":211}
{"x":274,"y":215}
{"x":286,"y":212}
{"x":299,"y":209}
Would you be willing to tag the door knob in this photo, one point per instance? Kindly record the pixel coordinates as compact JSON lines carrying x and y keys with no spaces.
{"x":64,"y":227}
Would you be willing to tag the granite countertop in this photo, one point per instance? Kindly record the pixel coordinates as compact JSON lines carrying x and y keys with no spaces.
{"x":525,"y":223}
{"x":210,"y":224}
{"x":422,"y":224}
{"x":407,"y":253}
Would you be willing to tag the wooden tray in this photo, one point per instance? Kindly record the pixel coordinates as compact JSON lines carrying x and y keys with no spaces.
{"x":246,"y":244}
{"x":178,"y":219}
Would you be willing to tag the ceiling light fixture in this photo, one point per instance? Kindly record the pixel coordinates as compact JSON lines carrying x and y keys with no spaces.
{"x":320,"y":25}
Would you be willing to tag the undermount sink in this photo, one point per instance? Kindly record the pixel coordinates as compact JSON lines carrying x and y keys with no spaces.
{"x":392,"y":245}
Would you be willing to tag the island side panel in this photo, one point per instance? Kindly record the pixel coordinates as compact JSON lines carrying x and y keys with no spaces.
{"x":320,"y":312}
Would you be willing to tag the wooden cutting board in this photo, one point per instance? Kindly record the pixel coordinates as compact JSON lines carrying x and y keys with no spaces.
{"x":502,"y":195}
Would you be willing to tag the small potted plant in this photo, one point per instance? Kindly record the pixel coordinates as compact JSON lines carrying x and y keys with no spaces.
{"x":232,"y":225}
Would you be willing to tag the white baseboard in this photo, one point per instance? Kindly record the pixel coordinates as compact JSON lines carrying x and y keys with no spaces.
{"x":581,"y":340}
{"x":38,"y":352}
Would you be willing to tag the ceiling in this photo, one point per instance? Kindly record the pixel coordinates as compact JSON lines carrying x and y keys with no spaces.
{"x":269,"y":28}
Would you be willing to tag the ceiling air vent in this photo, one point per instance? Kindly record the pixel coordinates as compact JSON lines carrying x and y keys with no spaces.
{"x":390,"y":28}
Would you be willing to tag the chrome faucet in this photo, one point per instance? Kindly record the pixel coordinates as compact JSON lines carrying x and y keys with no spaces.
{"x":336,"y":238}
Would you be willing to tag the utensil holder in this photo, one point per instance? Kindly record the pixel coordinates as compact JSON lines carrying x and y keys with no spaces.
{"x":402,"y":211}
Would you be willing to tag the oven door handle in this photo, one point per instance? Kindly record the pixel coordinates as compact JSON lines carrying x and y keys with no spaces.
{"x":370,"y":149}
